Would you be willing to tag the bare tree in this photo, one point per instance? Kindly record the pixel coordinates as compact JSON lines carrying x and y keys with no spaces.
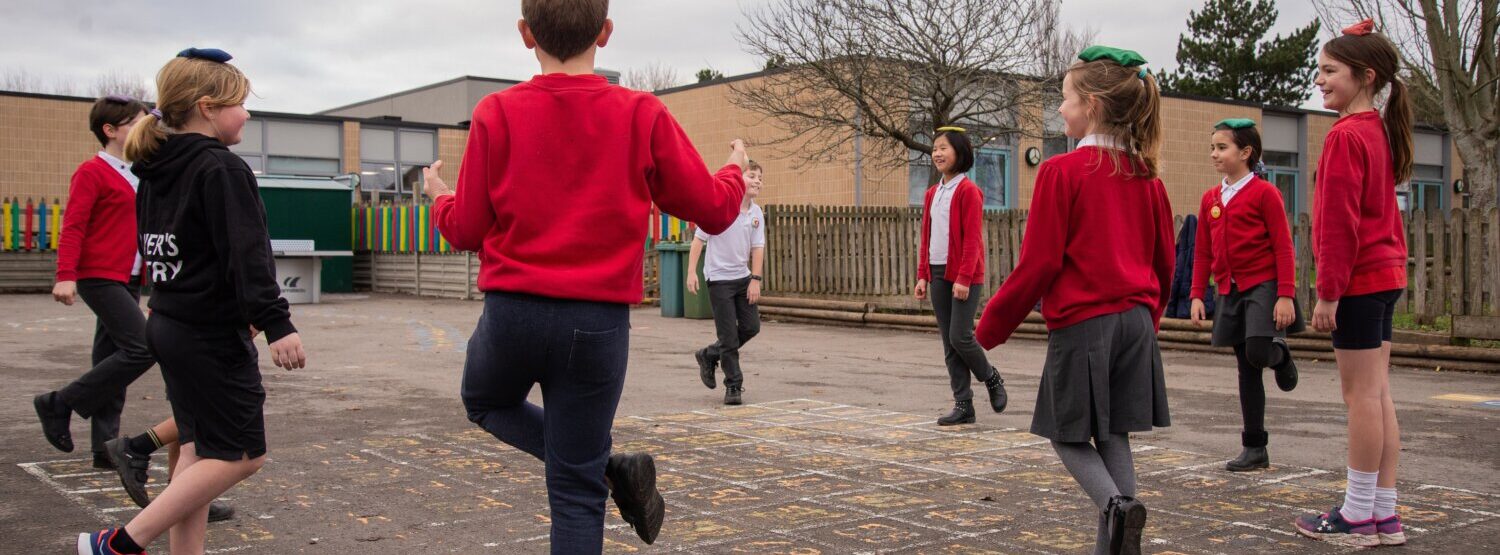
{"x":20,"y":80}
{"x":1447,"y":46}
{"x":654,"y":76}
{"x":123,"y":83}
{"x":895,"y":70}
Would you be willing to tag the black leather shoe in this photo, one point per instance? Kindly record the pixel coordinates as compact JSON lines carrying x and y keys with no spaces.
{"x":996,"y":387}
{"x":1252,"y":458}
{"x":1286,"y":373}
{"x":102,"y":462}
{"x":632,"y":480}
{"x":132,"y":471}
{"x":963,"y":413}
{"x":1127,"y":519}
{"x":56,"y":419}
{"x":732,"y":395}
{"x":706,"y":369}
{"x":219,"y":511}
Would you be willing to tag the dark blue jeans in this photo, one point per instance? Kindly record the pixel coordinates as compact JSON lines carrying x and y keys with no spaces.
{"x":576,"y":351}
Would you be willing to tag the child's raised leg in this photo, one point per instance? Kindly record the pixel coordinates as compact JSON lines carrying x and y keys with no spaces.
{"x":195,"y":483}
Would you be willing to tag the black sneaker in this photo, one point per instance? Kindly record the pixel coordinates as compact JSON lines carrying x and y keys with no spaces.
{"x":963,"y":413}
{"x":1127,"y":518}
{"x":632,"y":480}
{"x":56,"y":419}
{"x":732,"y":395}
{"x":219,"y":511}
{"x":132,"y":470}
{"x":996,"y":387}
{"x":706,"y":369}
{"x":1286,"y":373}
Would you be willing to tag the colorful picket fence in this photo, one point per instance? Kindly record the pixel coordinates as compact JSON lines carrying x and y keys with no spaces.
{"x":410,"y":228}
{"x":29,"y":225}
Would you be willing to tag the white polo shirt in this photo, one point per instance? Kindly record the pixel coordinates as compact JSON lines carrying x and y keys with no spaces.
{"x":1230,"y":189}
{"x":942,"y":208}
{"x":728,"y":256}
{"x":135,"y":185}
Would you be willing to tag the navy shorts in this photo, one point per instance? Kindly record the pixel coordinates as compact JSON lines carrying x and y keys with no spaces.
{"x":1364,"y":321}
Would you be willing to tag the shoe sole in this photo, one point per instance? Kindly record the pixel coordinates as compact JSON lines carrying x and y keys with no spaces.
{"x":115,"y":450}
{"x":1290,"y":382}
{"x":645,"y":496}
{"x":1247,"y":468}
{"x":1135,"y":524}
{"x":41,"y":415}
{"x":705,"y":370}
{"x":1352,"y":540}
{"x":226,"y":515}
{"x":83,"y":545}
{"x":1398,"y":538}
{"x":969,"y":420}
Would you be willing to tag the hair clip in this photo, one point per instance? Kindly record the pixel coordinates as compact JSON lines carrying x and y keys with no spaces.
{"x":155,"y":113}
{"x":1141,"y":74}
{"x":1120,"y":56}
{"x":210,"y":54}
{"x":1235,"y":123}
{"x":1361,"y":29}
{"x":952,"y":128}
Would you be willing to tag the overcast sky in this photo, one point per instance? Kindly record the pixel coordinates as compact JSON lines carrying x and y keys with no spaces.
{"x":310,"y":55}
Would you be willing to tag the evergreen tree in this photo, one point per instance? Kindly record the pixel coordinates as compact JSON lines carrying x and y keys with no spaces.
{"x":1223,"y":55}
{"x":709,"y":74}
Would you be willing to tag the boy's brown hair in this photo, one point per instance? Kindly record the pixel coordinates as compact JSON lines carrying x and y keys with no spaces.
{"x":113,"y":110}
{"x":565,"y":28}
{"x":753,"y":166}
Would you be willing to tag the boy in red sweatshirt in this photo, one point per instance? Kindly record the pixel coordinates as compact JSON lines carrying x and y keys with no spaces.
{"x":558,"y":174}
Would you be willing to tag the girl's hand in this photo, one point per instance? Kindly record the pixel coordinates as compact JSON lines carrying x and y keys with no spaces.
{"x":65,"y":292}
{"x":433,"y":185}
{"x":921,"y":291}
{"x":961,"y":292}
{"x":287,"y":352}
{"x":1199,"y":313}
{"x":1284,"y":312}
{"x":1324,"y":315}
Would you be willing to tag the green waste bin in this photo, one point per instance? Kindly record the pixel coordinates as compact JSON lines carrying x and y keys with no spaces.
{"x":673,"y":257}
{"x":697,"y":305}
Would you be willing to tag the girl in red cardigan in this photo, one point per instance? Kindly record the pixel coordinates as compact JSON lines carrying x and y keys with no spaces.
{"x":1360,"y":248}
{"x":950,"y":269}
{"x":1247,"y":246}
{"x":1098,"y":253}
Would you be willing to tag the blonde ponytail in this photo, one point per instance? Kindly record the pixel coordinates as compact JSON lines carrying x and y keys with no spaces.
{"x":145,"y":138}
{"x":1130,"y":112}
{"x":180,"y":86}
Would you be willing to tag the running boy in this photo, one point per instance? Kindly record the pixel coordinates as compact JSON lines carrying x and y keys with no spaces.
{"x":735,"y":258}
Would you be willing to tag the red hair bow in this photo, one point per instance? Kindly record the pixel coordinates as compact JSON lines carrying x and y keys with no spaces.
{"x":1361,"y":29}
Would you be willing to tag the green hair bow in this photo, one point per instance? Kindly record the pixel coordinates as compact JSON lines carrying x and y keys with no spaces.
{"x":1125,"y":58}
{"x":1235,"y":123}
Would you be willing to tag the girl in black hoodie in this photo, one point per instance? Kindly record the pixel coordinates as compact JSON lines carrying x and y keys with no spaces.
{"x":208,"y":256}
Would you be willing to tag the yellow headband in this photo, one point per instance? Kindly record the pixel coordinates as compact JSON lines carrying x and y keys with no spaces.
{"x":951,"y":128}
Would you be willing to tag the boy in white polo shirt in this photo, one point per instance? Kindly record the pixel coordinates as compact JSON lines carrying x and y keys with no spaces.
{"x":733,"y":269}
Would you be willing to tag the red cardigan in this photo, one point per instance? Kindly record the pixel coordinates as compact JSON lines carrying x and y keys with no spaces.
{"x":1247,"y":242}
{"x":98,"y":237}
{"x":1358,"y":239}
{"x":1095,"y":244}
{"x":557,"y":182}
{"x":965,"y":236}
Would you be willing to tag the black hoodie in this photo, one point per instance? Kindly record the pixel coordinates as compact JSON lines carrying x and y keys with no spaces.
{"x":204,"y":239}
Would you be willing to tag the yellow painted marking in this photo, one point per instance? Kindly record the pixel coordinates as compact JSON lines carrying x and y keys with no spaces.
{"x":1464,"y":398}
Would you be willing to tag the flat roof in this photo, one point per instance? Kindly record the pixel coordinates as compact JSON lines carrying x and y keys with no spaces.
{"x":423,"y":88}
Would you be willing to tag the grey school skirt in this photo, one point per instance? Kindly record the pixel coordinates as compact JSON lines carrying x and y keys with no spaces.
{"x":1102,"y":375}
{"x":1244,"y":314}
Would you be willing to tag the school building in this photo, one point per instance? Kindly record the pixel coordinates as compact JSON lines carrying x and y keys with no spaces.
{"x":388,"y":140}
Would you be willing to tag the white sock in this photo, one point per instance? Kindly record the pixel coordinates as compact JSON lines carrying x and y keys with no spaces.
{"x":1359,"y":498}
{"x":1385,"y":503}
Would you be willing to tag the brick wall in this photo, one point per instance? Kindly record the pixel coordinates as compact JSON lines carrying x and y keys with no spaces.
{"x":42,"y":140}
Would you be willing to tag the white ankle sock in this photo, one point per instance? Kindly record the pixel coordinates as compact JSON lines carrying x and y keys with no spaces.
{"x":1385,"y":503}
{"x":1359,"y":497}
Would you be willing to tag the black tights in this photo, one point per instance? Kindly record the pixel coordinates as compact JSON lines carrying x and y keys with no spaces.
{"x":1253,"y":356}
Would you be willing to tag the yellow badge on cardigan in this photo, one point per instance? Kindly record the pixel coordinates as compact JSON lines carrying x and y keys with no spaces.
{"x":1215,"y":212}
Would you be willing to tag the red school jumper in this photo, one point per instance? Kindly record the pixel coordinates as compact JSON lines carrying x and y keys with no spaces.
{"x":965,"y":236}
{"x":98,"y":236}
{"x":1095,"y":244}
{"x":557,"y":181}
{"x":1358,"y":238}
{"x":1246,"y":242}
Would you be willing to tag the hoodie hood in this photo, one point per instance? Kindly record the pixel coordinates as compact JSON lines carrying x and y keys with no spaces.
{"x":173,"y":158}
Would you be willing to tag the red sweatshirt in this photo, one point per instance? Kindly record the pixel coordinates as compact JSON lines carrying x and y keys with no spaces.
{"x":965,"y":236}
{"x":1358,"y":239}
{"x":557,"y":183}
{"x":98,"y":238}
{"x":1095,"y":244}
{"x":1247,"y":241}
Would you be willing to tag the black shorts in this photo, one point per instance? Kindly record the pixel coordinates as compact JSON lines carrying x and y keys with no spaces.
{"x":213,"y":382}
{"x":1364,"y":321}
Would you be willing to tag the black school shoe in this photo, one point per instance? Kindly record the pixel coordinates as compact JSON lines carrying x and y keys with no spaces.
{"x":963,"y":413}
{"x":132,"y":470}
{"x":1252,"y":458}
{"x":1127,"y":518}
{"x":219,"y":511}
{"x":1286,"y":373}
{"x":56,"y":419}
{"x":632,"y":478}
{"x":733,"y":395}
{"x":102,"y":462}
{"x":996,"y":387}
{"x":706,"y":369}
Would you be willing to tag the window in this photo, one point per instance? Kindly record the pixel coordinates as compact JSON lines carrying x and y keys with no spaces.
{"x":281,"y":147}
{"x":391,"y":160}
{"x":991,"y":172}
{"x":1426,"y":190}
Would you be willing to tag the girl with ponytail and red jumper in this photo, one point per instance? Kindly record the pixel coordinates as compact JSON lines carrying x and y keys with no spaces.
{"x":1360,"y":248}
{"x":1098,"y":252}
{"x":1247,"y":246}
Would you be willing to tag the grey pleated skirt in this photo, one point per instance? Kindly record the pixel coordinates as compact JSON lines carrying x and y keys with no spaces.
{"x":1102,"y":375}
{"x":1241,"y":315}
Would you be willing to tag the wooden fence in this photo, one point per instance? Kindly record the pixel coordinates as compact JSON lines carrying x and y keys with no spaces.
{"x":451,"y":275}
{"x":846,"y":251}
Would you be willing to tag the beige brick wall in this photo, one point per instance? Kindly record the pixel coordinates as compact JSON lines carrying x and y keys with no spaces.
{"x":1187,"y":129}
{"x":451,"y":152}
{"x":42,"y":140}
{"x":351,"y":147}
